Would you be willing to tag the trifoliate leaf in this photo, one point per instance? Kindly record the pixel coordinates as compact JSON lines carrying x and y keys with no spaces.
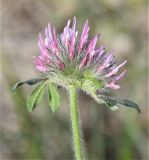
{"x":53,"y":97}
{"x":36,"y":96}
{"x":29,"y":82}
{"x":112,"y":101}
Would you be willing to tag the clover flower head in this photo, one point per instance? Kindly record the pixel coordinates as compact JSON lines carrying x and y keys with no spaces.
{"x":72,"y":57}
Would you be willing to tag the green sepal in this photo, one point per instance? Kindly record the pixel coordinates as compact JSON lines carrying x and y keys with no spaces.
{"x":118,"y":102}
{"x":29,"y":82}
{"x":36,"y":96}
{"x":91,"y":85}
{"x":53,"y":97}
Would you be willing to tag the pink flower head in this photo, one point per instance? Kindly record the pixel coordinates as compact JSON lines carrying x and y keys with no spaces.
{"x":71,"y":54}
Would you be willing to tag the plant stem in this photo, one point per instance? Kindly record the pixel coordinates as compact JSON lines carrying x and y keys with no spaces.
{"x":75,"y":123}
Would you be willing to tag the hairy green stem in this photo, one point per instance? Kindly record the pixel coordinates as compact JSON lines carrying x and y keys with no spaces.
{"x":75,"y":123}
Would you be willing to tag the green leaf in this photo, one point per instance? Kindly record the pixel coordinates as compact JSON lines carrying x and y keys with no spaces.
{"x":36,"y":96}
{"x":128,"y":103}
{"x":53,"y":97}
{"x":29,"y":82}
{"x":112,"y":101}
{"x":40,"y":96}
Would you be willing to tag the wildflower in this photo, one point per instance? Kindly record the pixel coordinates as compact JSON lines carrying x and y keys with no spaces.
{"x":72,"y":60}
{"x":72,"y":55}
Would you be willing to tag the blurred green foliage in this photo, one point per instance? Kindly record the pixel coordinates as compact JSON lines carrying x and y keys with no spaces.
{"x":120,"y":135}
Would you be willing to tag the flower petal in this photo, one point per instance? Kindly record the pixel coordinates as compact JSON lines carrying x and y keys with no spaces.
{"x":115,"y":70}
{"x":84,"y":35}
{"x":112,"y":85}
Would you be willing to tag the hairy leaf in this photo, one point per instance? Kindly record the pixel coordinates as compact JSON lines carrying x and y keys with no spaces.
{"x":36,"y":96}
{"x":112,"y":101}
{"x":29,"y":82}
{"x":53,"y":97}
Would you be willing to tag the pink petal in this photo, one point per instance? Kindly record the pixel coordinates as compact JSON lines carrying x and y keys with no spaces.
{"x":98,"y":50}
{"x":98,"y":53}
{"x":54,"y":38}
{"x":46,"y":42}
{"x":84,"y":35}
{"x":74,"y":24}
{"x":61,"y":65}
{"x":122,"y":64}
{"x":85,"y":30}
{"x":106,"y":62}
{"x":115,"y":70}
{"x":41,"y":40}
{"x":91,"y":46}
{"x":68,"y":23}
{"x":72,"y":45}
{"x":112,"y":85}
{"x":83,"y":62}
{"x":66,"y":36}
{"x":50,"y":36}
{"x":43,"y":51}
{"x":42,"y":68}
{"x":121,"y":75}
{"x":39,"y":65}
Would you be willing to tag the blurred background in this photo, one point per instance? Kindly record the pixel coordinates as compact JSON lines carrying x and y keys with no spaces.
{"x":41,"y":135}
